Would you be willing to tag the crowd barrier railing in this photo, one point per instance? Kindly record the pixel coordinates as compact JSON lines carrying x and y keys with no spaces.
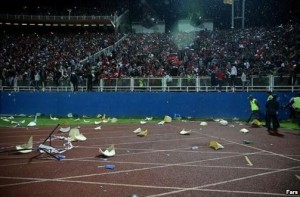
{"x":55,"y":18}
{"x":163,"y":84}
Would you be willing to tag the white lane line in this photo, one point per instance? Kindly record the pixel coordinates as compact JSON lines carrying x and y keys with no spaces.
{"x":222,"y":182}
{"x":141,"y":186}
{"x":155,"y":167}
{"x":241,"y":192}
{"x":259,"y":149}
{"x":22,"y":183}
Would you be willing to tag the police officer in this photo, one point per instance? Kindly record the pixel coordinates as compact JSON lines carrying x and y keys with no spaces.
{"x":272,"y":107}
{"x":255,"y":108}
{"x":294,"y":106}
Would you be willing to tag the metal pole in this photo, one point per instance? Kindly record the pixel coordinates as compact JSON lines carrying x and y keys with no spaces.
{"x":232,"y":15}
{"x":243,"y":14}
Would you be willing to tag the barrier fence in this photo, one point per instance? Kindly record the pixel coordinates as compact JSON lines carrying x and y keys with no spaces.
{"x":165,"y":84}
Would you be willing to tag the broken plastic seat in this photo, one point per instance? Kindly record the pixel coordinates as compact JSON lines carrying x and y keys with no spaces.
{"x":184,"y":132}
{"x":75,"y":135}
{"x":97,"y":128}
{"x":64,"y":130}
{"x":138,"y":130}
{"x":203,"y":123}
{"x":223,"y":122}
{"x":98,"y":122}
{"x":215,"y":145}
{"x":143,"y":122}
{"x":25,"y":148}
{"x":148,"y":118}
{"x":109,"y":152}
{"x":142,"y":133}
{"x":161,"y":122}
{"x":256,"y":123}
{"x":167,"y":119}
{"x":243,"y":130}
{"x":114,"y":120}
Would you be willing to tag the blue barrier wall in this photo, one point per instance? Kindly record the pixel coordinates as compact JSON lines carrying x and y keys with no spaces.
{"x":136,"y":104}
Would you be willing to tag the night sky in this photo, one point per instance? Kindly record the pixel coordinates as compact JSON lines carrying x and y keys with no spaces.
{"x":258,"y":12}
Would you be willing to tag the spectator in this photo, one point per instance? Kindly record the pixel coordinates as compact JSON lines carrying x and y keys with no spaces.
{"x":74,"y":81}
{"x":244,"y":79}
{"x":37,"y":79}
{"x":220,"y":75}
{"x":90,"y":77}
{"x":232,"y":73}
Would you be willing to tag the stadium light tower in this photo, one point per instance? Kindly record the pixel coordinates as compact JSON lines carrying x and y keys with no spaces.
{"x":238,"y":4}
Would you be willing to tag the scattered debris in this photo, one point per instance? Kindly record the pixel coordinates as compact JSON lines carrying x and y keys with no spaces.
{"x":110,"y":166}
{"x":25,"y":148}
{"x":98,"y":122}
{"x":75,"y":134}
{"x":167,"y":119}
{"x":243,"y":130}
{"x":133,"y":195}
{"x":142,"y":133}
{"x":256,"y":123}
{"x":18,"y":124}
{"x":195,"y":147}
{"x":60,"y":156}
{"x":53,"y":118}
{"x":148,"y":118}
{"x":33,"y":123}
{"x":97,"y":128}
{"x":109,"y":152}
{"x":138,"y":130}
{"x":249,"y":163}
{"x":143,"y":122}
{"x":247,"y":142}
{"x":203,"y":123}
{"x":105,"y":120}
{"x":215,"y":145}
{"x":223,"y":122}
{"x":184,"y":132}
{"x":114,"y":120}
{"x":161,"y":122}
{"x":64,"y":130}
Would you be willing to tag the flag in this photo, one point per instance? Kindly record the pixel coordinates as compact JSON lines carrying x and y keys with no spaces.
{"x":228,"y":2}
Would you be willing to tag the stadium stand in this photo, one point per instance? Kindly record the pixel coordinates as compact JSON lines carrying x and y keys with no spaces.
{"x":47,"y":56}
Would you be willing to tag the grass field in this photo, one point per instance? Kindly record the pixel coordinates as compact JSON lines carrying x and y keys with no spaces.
{"x":23,"y":121}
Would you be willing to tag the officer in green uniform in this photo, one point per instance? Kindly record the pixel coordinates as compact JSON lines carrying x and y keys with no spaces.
{"x":294,"y":106}
{"x":255,"y":108}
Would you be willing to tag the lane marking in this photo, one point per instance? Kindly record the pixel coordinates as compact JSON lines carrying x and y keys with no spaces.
{"x":222,"y":182}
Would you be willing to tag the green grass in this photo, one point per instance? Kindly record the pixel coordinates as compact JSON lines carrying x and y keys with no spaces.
{"x":290,"y":125}
{"x":46,"y":121}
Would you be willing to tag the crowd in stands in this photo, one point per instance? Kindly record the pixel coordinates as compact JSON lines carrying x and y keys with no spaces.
{"x":52,"y":56}
{"x":256,"y":51}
